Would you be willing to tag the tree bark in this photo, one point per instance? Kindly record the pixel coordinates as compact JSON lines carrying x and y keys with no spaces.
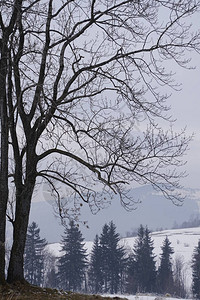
{"x":24,"y":192}
{"x":3,"y":158}
{"x":4,"y":120}
{"x":23,"y":204}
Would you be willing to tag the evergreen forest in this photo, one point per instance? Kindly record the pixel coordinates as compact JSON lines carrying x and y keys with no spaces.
{"x":109,"y":268}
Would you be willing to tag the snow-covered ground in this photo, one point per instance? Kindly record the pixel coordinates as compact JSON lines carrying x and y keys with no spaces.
{"x":183,"y":242}
{"x":55,"y":248}
{"x":143,"y":297}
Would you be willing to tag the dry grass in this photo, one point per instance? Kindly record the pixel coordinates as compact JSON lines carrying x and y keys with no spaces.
{"x":20,"y":291}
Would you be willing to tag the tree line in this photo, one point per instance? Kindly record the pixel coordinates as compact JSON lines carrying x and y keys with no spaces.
{"x":110,"y":267}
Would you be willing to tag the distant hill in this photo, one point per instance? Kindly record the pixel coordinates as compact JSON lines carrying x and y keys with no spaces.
{"x":154,"y":211}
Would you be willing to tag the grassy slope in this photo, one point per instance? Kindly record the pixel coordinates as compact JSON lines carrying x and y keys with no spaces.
{"x":29,"y":292}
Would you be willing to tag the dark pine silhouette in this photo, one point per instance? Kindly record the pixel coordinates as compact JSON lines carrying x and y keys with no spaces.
{"x":95,"y":269}
{"x":165,"y":282}
{"x":142,"y":269}
{"x":113,"y":260}
{"x":34,"y":256}
{"x":72,"y":264}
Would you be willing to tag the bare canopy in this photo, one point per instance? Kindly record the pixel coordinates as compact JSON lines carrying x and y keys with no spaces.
{"x":83,"y":100}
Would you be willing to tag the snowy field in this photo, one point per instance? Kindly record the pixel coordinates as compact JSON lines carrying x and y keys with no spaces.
{"x":183,"y":242}
{"x":143,"y":297}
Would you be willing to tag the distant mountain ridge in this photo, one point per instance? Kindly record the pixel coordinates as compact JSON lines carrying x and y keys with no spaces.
{"x":154,"y":211}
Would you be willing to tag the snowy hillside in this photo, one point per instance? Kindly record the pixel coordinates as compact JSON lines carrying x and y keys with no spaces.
{"x":182,"y":240}
{"x":143,"y":297}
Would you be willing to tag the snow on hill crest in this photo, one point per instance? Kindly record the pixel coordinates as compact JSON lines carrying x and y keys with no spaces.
{"x":182,"y":240}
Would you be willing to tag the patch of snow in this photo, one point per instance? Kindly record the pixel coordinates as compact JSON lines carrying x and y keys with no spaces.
{"x":55,"y":248}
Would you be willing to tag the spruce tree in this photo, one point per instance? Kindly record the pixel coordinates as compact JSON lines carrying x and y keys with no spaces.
{"x":131,"y":284}
{"x":117,"y":261}
{"x":165,"y":273}
{"x":34,"y":256}
{"x":95,"y":269}
{"x":113,"y":259}
{"x":143,"y":263}
{"x":72,"y":264}
{"x":196,"y":272}
{"x":105,"y":256}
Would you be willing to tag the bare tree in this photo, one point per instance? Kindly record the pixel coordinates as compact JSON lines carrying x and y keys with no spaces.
{"x":179,"y":277}
{"x":50,"y":276}
{"x":79,"y":78}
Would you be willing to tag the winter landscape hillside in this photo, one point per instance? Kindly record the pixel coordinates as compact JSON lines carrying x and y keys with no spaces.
{"x":183,"y":242}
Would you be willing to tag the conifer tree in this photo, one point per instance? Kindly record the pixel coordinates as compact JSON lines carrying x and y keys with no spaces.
{"x":165,"y":273}
{"x":72,"y":264}
{"x":105,"y":254}
{"x":196,"y":272}
{"x":95,"y":270}
{"x":143,"y":264}
{"x":131,"y":284}
{"x":113,"y":259}
{"x":117,"y":262}
{"x":34,"y":256}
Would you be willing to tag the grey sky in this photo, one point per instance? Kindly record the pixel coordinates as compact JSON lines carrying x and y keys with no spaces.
{"x":185,"y":107}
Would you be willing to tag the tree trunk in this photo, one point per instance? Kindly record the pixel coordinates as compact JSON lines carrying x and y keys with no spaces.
{"x":3,"y":190}
{"x":3,"y":159}
{"x":23,"y":204}
{"x":4,"y":120}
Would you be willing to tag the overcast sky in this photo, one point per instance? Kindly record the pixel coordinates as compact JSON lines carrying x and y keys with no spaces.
{"x":185,"y":107}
